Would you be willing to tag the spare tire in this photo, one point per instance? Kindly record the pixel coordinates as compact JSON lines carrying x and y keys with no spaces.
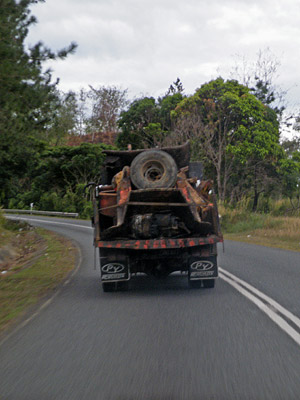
{"x":153,"y":169}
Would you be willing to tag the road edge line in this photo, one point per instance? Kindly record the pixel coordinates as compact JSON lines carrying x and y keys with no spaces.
{"x":48,"y":301}
{"x":277,"y":319}
{"x":48,"y":222}
{"x":286,"y":313}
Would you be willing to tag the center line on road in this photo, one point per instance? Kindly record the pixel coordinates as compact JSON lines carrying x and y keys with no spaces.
{"x":271,"y":309}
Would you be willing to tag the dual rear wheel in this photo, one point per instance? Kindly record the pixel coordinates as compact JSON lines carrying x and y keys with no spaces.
{"x":207,"y":284}
{"x":114,"y":286}
{"x":123,"y":286}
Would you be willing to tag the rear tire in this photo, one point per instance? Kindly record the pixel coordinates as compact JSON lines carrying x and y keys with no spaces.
{"x":108,"y":286}
{"x":195,"y":284}
{"x":115,"y":286}
{"x":123,"y":286}
{"x":209,"y":283}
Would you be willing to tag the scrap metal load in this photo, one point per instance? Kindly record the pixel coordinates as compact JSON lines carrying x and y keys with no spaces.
{"x":155,"y":215}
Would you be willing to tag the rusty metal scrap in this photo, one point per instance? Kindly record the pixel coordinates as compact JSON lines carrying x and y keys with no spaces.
{"x":121,"y":158}
{"x":184,"y":209}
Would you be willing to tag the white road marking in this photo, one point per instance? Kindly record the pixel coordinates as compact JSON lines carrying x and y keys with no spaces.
{"x":47,"y":302}
{"x":271,"y":309}
{"x":263,"y":296}
{"x":50,"y":222}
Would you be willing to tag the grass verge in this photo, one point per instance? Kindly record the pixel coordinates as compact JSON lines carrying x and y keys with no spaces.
{"x":25,"y":286}
{"x":261,"y":229}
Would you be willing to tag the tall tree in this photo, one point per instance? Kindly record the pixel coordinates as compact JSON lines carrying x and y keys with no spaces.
{"x":260,"y":77}
{"x":148,"y":121}
{"x":132,"y":122}
{"x":228,"y":127}
{"x":166,"y":105}
{"x":289,"y":170}
{"x":175,"y":87}
{"x":107,"y":104}
{"x":27,"y":95}
{"x":66,"y":120}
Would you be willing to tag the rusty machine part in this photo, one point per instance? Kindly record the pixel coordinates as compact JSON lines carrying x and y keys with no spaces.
{"x":150,"y":226}
{"x":156,"y":212}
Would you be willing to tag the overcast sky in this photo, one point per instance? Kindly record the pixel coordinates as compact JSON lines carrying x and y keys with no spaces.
{"x":144,"y":45}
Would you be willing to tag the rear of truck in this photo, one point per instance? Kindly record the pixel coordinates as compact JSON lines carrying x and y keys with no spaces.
{"x":154,"y":215}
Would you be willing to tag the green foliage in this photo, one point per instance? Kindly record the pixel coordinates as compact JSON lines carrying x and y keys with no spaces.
{"x":23,"y":287}
{"x":140,"y":114}
{"x":153,"y":134}
{"x":146,"y":115}
{"x":58,"y":180}
{"x":280,"y":207}
{"x":239,"y":217}
{"x":17,"y":165}
{"x":28,"y":99}
{"x":289,"y":170}
{"x":238,"y":221}
{"x":291,"y":146}
{"x":166,"y":105}
{"x":67,"y":166}
{"x":65,"y":119}
{"x":2,"y":218}
{"x":238,"y":136}
{"x":175,"y":88}
{"x":11,"y":225}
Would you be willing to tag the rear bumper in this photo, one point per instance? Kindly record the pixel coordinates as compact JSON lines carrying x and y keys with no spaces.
{"x":155,"y":244}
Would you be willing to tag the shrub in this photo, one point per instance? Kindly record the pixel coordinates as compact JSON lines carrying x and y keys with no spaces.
{"x":237,"y":221}
{"x":2,"y":218}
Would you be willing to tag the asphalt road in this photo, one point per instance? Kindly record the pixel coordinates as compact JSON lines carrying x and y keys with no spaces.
{"x":161,"y":340}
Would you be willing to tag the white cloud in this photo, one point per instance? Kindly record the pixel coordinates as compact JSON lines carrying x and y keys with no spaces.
{"x":145,"y":45}
{"x":236,"y":19}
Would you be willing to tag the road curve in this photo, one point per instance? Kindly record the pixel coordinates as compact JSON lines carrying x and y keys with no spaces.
{"x":159,"y":340}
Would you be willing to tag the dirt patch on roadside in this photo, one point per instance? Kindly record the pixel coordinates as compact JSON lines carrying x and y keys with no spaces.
{"x":23,"y":249}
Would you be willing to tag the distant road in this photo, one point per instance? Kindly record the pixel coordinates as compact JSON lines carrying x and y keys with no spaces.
{"x":161,"y":340}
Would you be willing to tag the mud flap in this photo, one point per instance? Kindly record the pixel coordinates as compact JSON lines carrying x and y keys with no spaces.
{"x":203,"y":268}
{"x":114,"y":271}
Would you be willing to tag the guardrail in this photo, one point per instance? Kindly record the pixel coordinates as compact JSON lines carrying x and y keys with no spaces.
{"x":36,"y":212}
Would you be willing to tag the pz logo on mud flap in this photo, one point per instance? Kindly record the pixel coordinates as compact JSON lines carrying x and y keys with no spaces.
{"x":112,"y":268}
{"x":202,"y":265}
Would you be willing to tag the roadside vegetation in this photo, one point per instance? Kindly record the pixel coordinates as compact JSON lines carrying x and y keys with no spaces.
{"x":280,"y":227}
{"x":52,"y":143}
{"x":33,"y":262}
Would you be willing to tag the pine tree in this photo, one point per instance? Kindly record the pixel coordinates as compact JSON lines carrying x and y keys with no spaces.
{"x":27,"y":94}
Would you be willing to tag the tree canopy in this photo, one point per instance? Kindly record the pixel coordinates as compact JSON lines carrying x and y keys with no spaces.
{"x":229,"y":128}
{"x":27,"y":94}
{"x":147,"y":121}
{"x":58,"y":177}
{"x":233,"y":128}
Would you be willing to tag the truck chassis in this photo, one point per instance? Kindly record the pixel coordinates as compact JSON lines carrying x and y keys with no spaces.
{"x":154,"y":218}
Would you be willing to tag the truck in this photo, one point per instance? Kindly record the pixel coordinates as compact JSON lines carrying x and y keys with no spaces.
{"x":154,"y":214}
